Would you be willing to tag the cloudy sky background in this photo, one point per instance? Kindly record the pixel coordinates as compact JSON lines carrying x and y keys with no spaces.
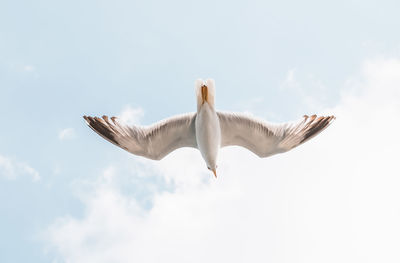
{"x":66,"y":195}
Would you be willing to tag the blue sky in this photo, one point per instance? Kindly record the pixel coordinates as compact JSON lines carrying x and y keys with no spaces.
{"x":60,"y":60}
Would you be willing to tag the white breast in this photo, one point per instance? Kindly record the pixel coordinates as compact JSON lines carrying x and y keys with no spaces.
{"x":208,"y":133}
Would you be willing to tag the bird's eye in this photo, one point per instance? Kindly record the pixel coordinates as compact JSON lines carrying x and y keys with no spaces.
{"x":208,"y":168}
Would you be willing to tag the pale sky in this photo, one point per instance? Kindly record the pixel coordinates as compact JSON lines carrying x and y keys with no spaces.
{"x":67,"y":195}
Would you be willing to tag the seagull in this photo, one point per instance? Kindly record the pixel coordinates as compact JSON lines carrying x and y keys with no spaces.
{"x":208,"y":130}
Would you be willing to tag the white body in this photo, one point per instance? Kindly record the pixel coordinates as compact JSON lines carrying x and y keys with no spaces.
{"x":208,"y":134}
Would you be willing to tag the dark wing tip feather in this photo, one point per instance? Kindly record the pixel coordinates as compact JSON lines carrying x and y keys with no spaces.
{"x":316,"y":125}
{"x":101,"y":126}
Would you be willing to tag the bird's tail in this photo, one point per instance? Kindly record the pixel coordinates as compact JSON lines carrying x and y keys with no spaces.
{"x":205,"y":92}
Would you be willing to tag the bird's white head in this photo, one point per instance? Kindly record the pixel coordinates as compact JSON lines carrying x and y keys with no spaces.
{"x":205,"y":92}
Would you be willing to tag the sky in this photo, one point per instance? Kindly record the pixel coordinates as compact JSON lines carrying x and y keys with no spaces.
{"x":68,"y":196}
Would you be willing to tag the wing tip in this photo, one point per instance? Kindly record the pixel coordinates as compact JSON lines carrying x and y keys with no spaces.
{"x":102,"y":127}
{"x":87,"y":119}
{"x":314,"y":116}
{"x":315,"y":125}
{"x":92,"y":120}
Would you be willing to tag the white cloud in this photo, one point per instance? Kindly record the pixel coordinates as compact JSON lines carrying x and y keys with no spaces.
{"x":334,"y":199}
{"x":290,"y":80}
{"x":131,"y":115}
{"x":29,"y":68}
{"x":11,"y":169}
{"x":66,"y":134}
{"x":310,"y":90}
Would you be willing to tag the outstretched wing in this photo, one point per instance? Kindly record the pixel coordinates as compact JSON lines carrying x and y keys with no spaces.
{"x":154,"y":142}
{"x":265,"y":139}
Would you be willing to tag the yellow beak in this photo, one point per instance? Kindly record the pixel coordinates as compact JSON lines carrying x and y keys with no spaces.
{"x":215,"y":173}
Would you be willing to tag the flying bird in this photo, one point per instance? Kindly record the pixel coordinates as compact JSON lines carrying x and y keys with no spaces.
{"x":208,"y":130}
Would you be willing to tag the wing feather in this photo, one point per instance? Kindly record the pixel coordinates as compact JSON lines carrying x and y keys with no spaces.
{"x":154,"y":141}
{"x":265,"y":139}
